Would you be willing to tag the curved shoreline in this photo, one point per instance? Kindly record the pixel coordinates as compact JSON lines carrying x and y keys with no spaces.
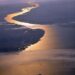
{"x":49,"y":41}
{"x":9,"y":17}
{"x":20,"y":39}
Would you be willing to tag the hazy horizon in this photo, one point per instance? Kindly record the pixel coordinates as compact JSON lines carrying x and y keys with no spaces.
{"x":24,"y":1}
{"x":38,"y":41}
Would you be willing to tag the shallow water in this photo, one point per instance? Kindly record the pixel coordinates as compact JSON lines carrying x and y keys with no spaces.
{"x":54,"y":54}
{"x":44,"y":62}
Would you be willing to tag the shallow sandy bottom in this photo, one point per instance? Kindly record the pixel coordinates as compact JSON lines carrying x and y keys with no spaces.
{"x":37,"y":68}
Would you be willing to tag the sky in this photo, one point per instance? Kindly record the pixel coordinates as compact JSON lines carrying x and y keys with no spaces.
{"x":18,"y":1}
{"x":23,"y":1}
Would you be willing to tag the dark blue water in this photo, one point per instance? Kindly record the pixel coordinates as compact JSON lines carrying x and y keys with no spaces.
{"x":60,"y":15}
{"x":21,"y":36}
{"x":7,"y":9}
{"x":51,"y":13}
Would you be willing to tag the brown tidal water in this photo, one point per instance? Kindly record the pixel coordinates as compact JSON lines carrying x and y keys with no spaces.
{"x":53,"y":55}
{"x":39,"y":68}
{"x":38,"y":62}
{"x":35,"y":68}
{"x":50,"y":40}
